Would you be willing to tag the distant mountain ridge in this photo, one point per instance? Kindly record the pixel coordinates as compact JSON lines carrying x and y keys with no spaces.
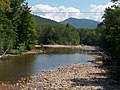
{"x":78,"y":23}
{"x":42,"y":20}
{"x":81,"y":23}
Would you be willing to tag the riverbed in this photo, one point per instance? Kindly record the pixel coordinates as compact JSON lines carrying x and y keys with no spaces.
{"x":15,"y":67}
{"x":66,"y":69}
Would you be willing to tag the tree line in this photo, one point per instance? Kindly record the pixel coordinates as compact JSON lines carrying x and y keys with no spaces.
{"x":58,"y":34}
{"x":66,"y":35}
{"x":109,"y":33}
{"x":17,"y":26}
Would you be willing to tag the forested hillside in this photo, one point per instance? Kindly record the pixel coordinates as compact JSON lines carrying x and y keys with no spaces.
{"x":81,"y":23}
{"x":41,"y":20}
{"x":78,"y":23}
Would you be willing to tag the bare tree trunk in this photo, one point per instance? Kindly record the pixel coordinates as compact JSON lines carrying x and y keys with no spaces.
{"x":4,"y":53}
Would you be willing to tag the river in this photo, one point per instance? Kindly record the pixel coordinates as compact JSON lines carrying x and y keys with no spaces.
{"x":13,"y":68}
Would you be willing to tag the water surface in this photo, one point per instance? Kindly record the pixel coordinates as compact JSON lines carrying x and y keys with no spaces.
{"x":13,"y":68}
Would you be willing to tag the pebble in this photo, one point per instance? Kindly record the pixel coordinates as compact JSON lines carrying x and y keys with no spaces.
{"x":70,"y":77}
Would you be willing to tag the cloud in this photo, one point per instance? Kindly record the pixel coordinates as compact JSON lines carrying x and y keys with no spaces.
{"x":99,"y":9}
{"x":59,"y":13}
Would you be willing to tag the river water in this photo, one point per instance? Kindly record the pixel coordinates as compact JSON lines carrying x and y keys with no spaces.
{"x":13,"y":68}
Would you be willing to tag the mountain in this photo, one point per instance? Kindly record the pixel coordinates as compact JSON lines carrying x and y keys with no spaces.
{"x":78,"y":23}
{"x":41,"y":20}
{"x":81,"y":23}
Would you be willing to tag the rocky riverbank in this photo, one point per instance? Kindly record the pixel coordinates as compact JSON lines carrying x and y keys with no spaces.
{"x":91,"y":76}
{"x":37,"y":49}
{"x":83,"y":47}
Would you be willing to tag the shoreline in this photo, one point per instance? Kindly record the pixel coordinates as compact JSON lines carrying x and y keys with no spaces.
{"x":91,"y":76}
{"x":83,"y":47}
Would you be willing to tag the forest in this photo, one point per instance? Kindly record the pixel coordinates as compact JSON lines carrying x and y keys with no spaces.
{"x":19,"y":31}
{"x":17,"y":26}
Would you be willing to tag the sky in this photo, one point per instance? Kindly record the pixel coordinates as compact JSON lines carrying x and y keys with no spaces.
{"x":59,"y":10}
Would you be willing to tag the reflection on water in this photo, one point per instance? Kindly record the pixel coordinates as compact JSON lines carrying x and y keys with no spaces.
{"x":15,"y":67}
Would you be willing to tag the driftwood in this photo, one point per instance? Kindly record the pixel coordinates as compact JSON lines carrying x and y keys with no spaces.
{"x":107,"y":59}
{"x":2,"y":56}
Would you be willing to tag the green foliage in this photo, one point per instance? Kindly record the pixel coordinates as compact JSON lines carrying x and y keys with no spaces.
{"x":58,"y":34}
{"x":14,"y":51}
{"x":7,"y":34}
{"x":21,"y":48}
{"x":110,"y":35}
{"x":17,"y":25}
{"x":89,"y":36}
{"x":26,"y":29}
{"x":5,"y":6}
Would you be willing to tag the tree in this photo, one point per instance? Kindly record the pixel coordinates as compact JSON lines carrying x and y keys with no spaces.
{"x":5,"y":6}
{"x":6,"y":28}
{"x":17,"y":26}
{"x":58,"y":34}
{"x":111,"y":34}
{"x":26,"y":29}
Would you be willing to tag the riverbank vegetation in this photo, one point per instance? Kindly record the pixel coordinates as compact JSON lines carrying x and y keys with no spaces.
{"x":66,"y":35}
{"x":17,"y":26}
{"x":58,"y":34}
{"x":19,"y":31}
{"x":109,"y":31}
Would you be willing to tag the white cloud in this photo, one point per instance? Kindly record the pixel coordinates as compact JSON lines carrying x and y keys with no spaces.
{"x":98,"y":9}
{"x":59,"y":13}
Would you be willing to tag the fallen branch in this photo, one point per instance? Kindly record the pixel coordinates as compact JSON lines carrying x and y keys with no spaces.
{"x":4,"y":53}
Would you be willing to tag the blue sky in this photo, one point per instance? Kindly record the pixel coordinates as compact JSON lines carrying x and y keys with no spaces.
{"x":79,"y":6}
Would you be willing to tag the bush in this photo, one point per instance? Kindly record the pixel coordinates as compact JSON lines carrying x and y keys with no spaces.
{"x":21,"y":47}
{"x":14,"y":51}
